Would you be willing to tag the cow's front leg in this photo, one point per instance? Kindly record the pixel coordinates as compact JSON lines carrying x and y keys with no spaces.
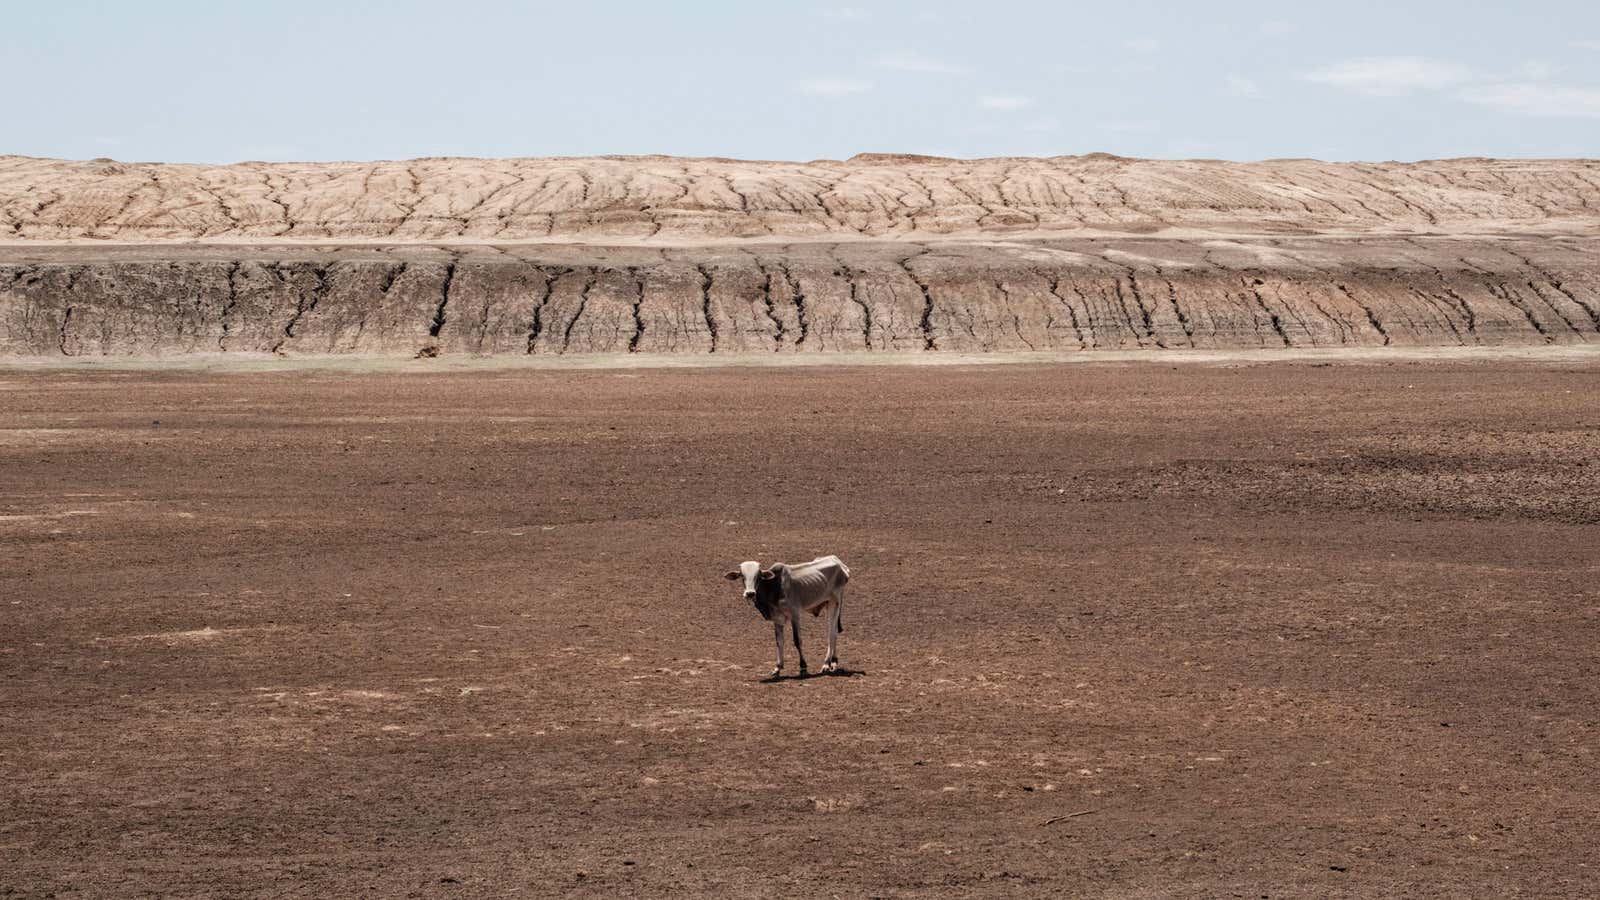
{"x":777,"y":638}
{"x":794,"y":624}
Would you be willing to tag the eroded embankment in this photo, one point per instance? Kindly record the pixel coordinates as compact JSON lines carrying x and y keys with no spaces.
{"x":1084,"y":294}
{"x":600,"y":200}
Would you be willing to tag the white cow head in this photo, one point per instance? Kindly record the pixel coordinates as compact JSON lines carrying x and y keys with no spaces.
{"x":751,"y":573}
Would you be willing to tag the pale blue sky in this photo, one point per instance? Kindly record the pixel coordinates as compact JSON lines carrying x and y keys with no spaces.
{"x":184,"y":80}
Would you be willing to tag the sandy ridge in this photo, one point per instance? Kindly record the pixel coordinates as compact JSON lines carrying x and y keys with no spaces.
{"x":884,"y":197}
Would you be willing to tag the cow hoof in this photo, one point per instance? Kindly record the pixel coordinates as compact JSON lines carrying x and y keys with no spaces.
{"x":774,"y":673}
{"x":802,"y":671}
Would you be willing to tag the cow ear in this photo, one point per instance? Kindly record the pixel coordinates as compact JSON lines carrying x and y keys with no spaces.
{"x":768,"y":574}
{"x":733,"y":576}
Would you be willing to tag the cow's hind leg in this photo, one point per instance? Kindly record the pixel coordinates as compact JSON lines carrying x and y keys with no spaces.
{"x":835,"y":625}
{"x":794,"y":624}
{"x":777,"y":637}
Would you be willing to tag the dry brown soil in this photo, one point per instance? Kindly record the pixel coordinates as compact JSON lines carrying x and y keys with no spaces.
{"x":1279,"y":630}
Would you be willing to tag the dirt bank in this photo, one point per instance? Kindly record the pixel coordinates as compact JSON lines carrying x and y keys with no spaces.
{"x":963,"y":297}
{"x":693,"y":201}
{"x":907,"y":254}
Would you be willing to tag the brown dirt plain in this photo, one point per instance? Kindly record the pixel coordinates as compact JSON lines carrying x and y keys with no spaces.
{"x":1287,"y":630}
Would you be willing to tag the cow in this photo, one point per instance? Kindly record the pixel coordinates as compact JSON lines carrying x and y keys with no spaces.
{"x":782,"y":592}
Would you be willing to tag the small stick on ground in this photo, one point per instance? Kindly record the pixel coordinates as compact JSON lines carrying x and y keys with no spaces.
{"x":1081,"y":812}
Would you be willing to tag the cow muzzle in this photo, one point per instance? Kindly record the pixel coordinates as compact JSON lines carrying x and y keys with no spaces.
{"x":749,"y":595}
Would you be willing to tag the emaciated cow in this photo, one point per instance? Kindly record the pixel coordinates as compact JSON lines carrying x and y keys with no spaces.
{"x":782,"y":592}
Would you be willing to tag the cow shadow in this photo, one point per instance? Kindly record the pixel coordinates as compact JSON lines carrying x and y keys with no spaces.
{"x":840,"y":672}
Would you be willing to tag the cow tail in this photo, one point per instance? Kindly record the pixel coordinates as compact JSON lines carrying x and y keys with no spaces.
{"x":845,"y":570}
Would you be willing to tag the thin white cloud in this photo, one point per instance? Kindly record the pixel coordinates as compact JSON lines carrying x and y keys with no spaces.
{"x":1240,"y":86}
{"x":1390,"y":76}
{"x":1585,"y":45}
{"x":282,"y":153}
{"x":1529,"y":99}
{"x":1132,"y":127}
{"x":914,"y":62}
{"x":828,"y":86}
{"x":1193,"y":149}
{"x":846,"y":14}
{"x":1525,"y":93}
{"x":1278,"y":29}
{"x":1006,"y":103}
{"x":1143,"y":44}
{"x":1536,"y":69}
